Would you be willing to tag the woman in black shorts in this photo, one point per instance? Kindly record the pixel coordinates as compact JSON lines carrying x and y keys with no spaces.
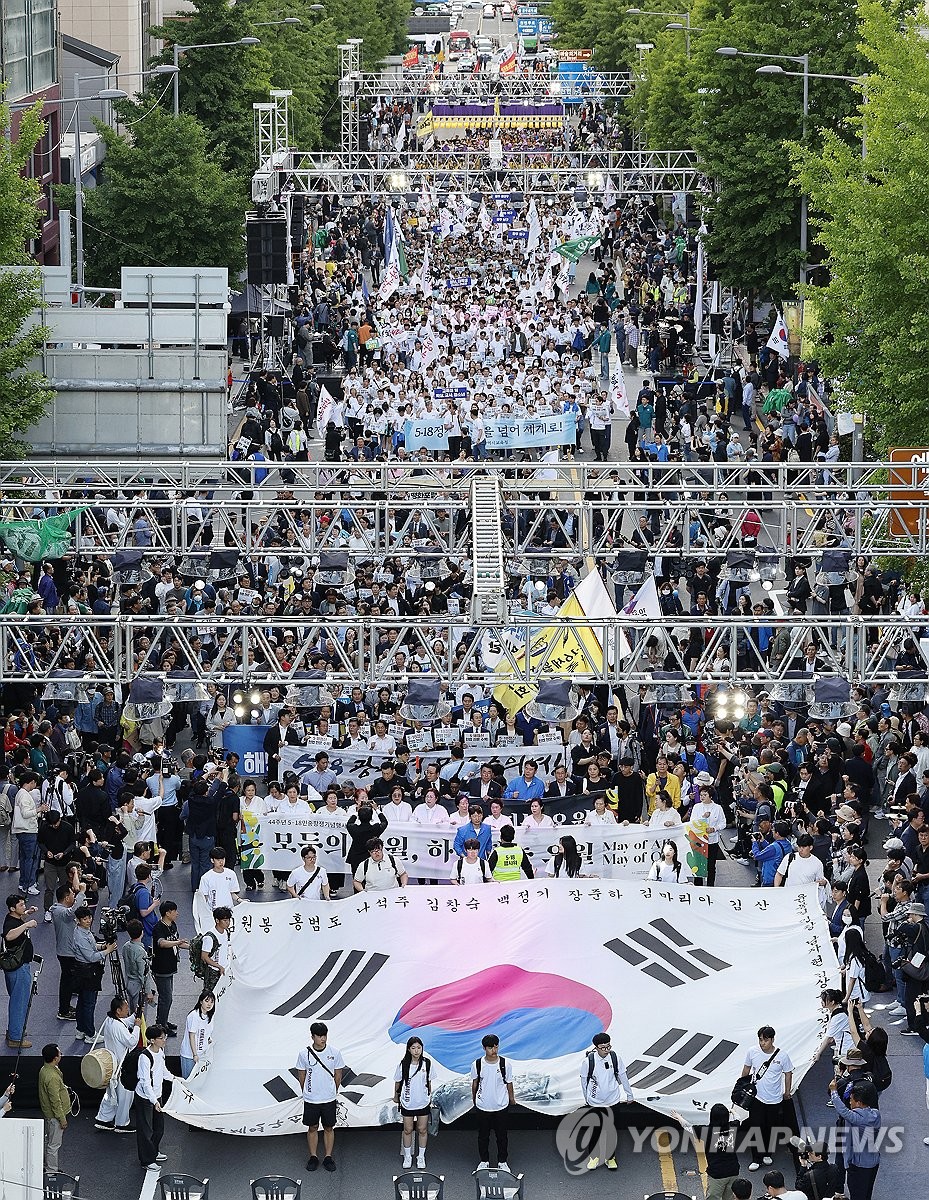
{"x":413,"y":1092}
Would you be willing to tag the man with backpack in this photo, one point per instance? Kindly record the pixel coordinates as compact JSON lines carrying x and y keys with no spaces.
{"x":492,"y":1094}
{"x":145,"y":1073}
{"x":603,"y":1078}
{"x":209,"y":952}
{"x":380,"y":872}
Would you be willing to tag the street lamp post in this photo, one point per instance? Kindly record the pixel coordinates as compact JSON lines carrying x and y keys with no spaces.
{"x":861,"y":80}
{"x":179,"y":49}
{"x":804,"y":61}
{"x":681,"y":22}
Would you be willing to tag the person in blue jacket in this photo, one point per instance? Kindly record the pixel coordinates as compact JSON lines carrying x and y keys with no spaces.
{"x":475,"y":828}
{"x":768,"y":856}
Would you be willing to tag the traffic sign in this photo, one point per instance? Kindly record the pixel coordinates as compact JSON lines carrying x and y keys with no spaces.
{"x":527,"y":26}
{"x":909,"y":486}
{"x":574,"y":55}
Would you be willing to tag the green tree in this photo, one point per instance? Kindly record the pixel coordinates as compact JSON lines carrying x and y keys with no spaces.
{"x":872,"y":317}
{"x":219,"y":86}
{"x":164,"y":200}
{"x":24,"y":393}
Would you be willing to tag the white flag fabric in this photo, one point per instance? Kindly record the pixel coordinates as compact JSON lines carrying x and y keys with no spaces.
{"x":778,"y":339}
{"x":619,"y":397}
{"x":671,"y":970}
{"x":400,"y":139}
{"x":445,"y":223}
{"x":390,"y":280}
{"x":327,"y":410}
{"x":425,"y":279}
{"x":645,"y":602}
{"x":535,"y":228}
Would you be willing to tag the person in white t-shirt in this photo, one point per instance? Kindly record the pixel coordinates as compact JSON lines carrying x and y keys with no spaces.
{"x":600,"y":814}
{"x":800,"y":868}
{"x":471,"y":868}
{"x":379,"y":872}
{"x":319,"y":1073}
{"x":492,"y":1095}
{"x":308,"y":881}
{"x":772,"y":1073}
{"x":219,"y":887}
{"x":398,"y":808}
{"x":413,"y":1094}
{"x":498,"y":819}
{"x":430,"y":811}
{"x":603,"y":1081}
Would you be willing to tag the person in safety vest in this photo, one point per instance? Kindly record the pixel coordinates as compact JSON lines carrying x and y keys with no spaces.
{"x":509,"y":861}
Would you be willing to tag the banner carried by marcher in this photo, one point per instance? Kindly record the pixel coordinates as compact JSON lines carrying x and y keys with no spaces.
{"x":672,"y":972}
{"x":362,"y":768}
{"x":501,"y":433}
{"x":427,"y":851}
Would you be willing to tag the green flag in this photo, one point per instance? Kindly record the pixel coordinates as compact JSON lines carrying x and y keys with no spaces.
{"x":401,"y":260}
{"x":36,"y":540}
{"x":575,"y":251}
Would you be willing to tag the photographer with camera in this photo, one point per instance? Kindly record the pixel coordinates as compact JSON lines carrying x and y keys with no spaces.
{"x":89,"y":959}
{"x":57,"y":847}
{"x":817,"y":1178}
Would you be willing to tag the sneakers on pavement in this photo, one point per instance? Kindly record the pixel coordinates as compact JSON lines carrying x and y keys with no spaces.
{"x":328,"y":1163}
{"x":312,"y":1163}
{"x":592,"y":1164}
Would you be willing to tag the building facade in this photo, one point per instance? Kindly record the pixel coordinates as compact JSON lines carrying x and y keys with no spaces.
{"x":29,"y":67}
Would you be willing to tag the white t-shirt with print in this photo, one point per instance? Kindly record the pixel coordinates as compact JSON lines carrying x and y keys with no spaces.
{"x":414,"y":1094}
{"x":492,"y":1094}
{"x":319,"y":1084}
{"x":770,"y":1087}
{"x":218,"y":889}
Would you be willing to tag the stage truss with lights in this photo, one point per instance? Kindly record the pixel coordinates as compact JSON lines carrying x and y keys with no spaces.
{"x":667,"y":655}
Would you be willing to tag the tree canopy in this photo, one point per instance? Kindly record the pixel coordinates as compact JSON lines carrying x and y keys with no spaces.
{"x":24,"y":394}
{"x":163,"y":200}
{"x":872,"y":320}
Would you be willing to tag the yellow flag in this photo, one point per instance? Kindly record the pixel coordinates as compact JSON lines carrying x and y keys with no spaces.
{"x":568,"y":650}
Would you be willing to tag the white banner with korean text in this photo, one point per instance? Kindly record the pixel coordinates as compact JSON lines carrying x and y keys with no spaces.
{"x":427,"y":851}
{"x":672,"y":972}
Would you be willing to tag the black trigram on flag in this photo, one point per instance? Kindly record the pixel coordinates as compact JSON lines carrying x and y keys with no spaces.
{"x":678,"y":1061}
{"x":340,"y":980}
{"x":353,"y":1088}
{"x":665,"y":954}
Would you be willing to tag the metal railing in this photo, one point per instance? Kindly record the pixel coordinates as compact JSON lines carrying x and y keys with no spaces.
{"x":670,"y":653}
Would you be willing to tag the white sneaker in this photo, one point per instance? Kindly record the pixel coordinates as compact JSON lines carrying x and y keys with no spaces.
{"x":407,"y":1161}
{"x":421,"y":1160}
{"x":767,"y":1160}
{"x":926,"y":1141}
{"x":153,"y":1167}
{"x":162,"y":1158}
{"x":33,"y":891}
{"x":754,"y":1166}
{"x":505,"y":1166}
{"x":483,"y":1166}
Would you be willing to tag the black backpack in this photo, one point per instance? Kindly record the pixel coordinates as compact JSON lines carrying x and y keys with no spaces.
{"x":874,"y":978}
{"x":130,"y":900}
{"x":129,"y":1071}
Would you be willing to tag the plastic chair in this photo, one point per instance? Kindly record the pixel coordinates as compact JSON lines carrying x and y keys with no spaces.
{"x":419,"y":1185}
{"x":494,"y":1184}
{"x":183,"y":1187}
{"x":276,"y":1187}
{"x":61,"y":1187}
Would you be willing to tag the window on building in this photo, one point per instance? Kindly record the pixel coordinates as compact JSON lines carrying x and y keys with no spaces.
{"x":29,"y":50}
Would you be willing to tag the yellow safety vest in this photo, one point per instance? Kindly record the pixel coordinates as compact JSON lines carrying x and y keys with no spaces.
{"x":509,"y":864}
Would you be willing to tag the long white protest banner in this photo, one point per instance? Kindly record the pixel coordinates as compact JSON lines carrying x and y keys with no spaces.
{"x":673,"y":972}
{"x":362,"y":768}
{"x":427,"y":850}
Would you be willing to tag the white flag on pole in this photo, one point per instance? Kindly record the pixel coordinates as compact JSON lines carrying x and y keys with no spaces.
{"x":391,"y":279}
{"x":778,"y":339}
{"x":619,"y":397}
{"x":327,"y":410}
{"x":535,"y":228}
{"x":400,"y":139}
{"x":425,"y":279}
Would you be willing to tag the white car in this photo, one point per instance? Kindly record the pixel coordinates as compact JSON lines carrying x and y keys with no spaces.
{"x":488,"y":11}
{"x":507,"y":14}
{"x":467,"y":62}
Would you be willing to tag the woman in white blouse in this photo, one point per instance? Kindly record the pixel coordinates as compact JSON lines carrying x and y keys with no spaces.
{"x":536,"y":818}
{"x":665,"y":815}
{"x":601,"y":815}
{"x":220,"y":718}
